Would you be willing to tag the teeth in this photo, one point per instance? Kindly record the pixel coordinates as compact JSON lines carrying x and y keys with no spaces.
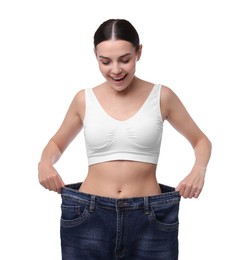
{"x":118,"y":79}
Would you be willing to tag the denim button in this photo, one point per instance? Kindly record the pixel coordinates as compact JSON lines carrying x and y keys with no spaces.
{"x":120,"y":204}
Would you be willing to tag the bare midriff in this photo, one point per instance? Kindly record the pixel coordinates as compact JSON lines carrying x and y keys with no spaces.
{"x":121,"y":179}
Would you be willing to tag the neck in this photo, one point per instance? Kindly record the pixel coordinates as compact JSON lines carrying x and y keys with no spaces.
{"x":129,"y":89}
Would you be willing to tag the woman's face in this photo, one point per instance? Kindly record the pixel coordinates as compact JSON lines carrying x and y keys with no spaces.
{"x":117,"y":62}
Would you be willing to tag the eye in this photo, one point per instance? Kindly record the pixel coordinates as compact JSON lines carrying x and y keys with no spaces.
{"x":105,"y":62}
{"x":125,"y":61}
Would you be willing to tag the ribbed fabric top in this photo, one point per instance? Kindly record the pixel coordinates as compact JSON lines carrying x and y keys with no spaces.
{"x":137,"y":138}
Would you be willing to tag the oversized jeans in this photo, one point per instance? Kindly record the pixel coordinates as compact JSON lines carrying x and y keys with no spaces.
{"x":101,"y":228}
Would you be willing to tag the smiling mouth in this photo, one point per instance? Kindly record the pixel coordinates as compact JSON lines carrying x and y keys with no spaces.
{"x":118,"y":79}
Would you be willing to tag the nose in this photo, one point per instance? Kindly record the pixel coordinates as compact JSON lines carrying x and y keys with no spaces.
{"x":116,"y":69}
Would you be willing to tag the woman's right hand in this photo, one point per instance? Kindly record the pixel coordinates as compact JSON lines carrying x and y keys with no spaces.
{"x":49,"y":177}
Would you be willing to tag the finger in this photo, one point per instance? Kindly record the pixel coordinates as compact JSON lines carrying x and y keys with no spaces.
{"x":183,"y":190}
{"x":51,"y":183}
{"x":46,"y":184}
{"x":193,"y":193}
{"x":59,"y":184}
{"x":197,"y":193}
{"x":180,"y":188}
{"x":187,"y":192}
{"x":177,"y":188}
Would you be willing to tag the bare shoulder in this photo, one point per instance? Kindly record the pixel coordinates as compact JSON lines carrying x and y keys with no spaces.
{"x":79,"y":99}
{"x":167,"y":93}
{"x":80,"y":96}
{"x":169,"y":101}
{"x":78,"y":103}
{"x":168,"y":96}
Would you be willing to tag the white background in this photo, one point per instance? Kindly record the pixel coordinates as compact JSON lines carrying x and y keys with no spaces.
{"x":198,"y":48}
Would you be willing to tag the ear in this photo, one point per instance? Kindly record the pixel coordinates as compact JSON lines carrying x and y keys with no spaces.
{"x":139,"y":52}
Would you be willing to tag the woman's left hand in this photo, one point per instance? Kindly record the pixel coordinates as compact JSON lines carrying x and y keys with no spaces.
{"x":191,"y":186}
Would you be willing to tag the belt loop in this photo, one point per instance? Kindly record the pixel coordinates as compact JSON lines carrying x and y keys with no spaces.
{"x":146,"y":206}
{"x":92,"y":204}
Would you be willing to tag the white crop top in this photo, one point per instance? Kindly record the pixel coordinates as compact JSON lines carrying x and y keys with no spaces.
{"x":136,"y":139}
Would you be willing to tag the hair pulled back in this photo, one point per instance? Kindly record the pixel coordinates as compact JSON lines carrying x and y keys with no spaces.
{"x":118,"y":29}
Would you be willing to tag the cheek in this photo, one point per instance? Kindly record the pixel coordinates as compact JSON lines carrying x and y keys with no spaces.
{"x":131,"y":67}
{"x":104,"y":69}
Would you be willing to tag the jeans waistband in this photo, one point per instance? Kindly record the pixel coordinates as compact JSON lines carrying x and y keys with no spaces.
{"x":168,"y":195}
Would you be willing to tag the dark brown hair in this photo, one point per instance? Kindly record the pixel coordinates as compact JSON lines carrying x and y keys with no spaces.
{"x":119,"y":29}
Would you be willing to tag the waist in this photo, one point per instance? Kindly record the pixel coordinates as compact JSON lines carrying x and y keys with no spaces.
{"x":167,"y":195}
{"x":121,"y":179}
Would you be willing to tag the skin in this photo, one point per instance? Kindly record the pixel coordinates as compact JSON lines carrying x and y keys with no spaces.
{"x":121,"y":95}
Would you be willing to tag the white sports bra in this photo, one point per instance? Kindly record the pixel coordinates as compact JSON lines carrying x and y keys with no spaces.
{"x":136,"y":139}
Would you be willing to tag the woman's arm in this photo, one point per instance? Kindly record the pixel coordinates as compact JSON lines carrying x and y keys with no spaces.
{"x":177,"y":115}
{"x":70,"y":127}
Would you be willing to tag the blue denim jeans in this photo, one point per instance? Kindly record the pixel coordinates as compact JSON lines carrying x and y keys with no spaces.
{"x":101,"y":228}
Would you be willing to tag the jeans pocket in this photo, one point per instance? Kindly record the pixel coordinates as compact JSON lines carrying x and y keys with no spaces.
{"x":165,"y":217}
{"x":73,"y":215}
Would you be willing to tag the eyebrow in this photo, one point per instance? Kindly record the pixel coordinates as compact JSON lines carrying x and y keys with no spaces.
{"x":125,"y":55}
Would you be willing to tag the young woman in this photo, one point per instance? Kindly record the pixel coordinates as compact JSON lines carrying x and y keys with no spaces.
{"x":120,"y":211}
